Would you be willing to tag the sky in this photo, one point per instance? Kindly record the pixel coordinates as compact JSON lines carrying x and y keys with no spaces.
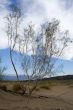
{"x":39,"y":11}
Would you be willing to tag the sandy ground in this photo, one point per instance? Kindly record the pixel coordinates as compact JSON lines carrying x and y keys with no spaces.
{"x":58,"y":98}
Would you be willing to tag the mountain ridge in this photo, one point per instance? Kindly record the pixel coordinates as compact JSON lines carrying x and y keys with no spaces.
{"x":4,"y":54}
{"x":24,"y":78}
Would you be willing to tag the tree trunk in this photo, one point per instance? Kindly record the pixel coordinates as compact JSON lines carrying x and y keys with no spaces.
{"x":13,"y":64}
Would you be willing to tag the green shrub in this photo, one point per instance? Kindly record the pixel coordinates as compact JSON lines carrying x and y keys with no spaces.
{"x":3,"y":87}
{"x":45,"y":87}
{"x":17,"y":87}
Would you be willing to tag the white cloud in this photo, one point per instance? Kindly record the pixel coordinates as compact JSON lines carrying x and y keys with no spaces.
{"x":3,"y":13}
{"x":38,"y":11}
{"x":3,"y":4}
{"x":53,"y":9}
{"x":3,"y":37}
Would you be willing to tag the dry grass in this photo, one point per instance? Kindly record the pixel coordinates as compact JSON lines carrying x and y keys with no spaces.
{"x":46,"y":87}
{"x":37,"y":89}
{"x":3,"y":87}
{"x":17,"y":87}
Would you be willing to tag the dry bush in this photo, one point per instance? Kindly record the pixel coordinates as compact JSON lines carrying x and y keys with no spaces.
{"x":37,"y":89}
{"x":46,"y":87}
{"x":17,"y":87}
{"x":3,"y":87}
{"x":70,"y":86}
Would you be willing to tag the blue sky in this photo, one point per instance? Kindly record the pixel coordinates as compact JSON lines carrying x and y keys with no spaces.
{"x":39,"y":11}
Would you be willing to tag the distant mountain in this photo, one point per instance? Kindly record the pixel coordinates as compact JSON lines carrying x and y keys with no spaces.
{"x":13,"y":77}
{"x":4,"y":54}
{"x":65,"y":77}
{"x":22,"y":78}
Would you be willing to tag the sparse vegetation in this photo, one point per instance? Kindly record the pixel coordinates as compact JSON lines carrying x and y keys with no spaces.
{"x":37,"y":89}
{"x":46,"y":87}
{"x":17,"y":87}
{"x":3,"y":87}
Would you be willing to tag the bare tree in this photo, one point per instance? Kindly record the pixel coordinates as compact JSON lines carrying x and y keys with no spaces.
{"x":42,"y":46}
{"x":13,"y":21}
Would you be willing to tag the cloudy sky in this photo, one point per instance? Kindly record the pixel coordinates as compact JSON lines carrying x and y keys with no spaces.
{"x":39,"y":11}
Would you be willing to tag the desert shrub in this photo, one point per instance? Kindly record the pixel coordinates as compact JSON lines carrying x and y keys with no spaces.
{"x":71,"y":86}
{"x":45,"y":87}
{"x":3,"y":87}
{"x":17,"y":87}
{"x":37,"y":89}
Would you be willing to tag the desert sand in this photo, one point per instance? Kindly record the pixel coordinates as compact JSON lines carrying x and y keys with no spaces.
{"x":59,"y":97}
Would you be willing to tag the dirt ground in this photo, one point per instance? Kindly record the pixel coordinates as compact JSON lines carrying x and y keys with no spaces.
{"x":59,"y":97}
